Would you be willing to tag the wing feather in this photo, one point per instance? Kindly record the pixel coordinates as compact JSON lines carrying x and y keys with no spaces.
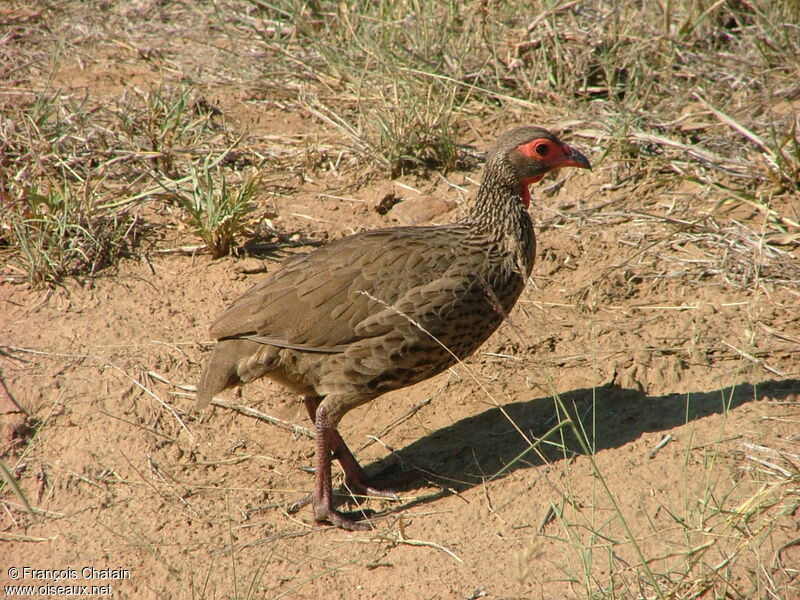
{"x":343,"y":292}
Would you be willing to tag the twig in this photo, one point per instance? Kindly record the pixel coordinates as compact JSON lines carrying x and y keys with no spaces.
{"x":770,"y":451}
{"x":181,"y":249}
{"x":400,"y":538}
{"x":13,"y":537}
{"x":257,"y":414}
{"x":769,"y":465}
{"x":755,"y":360}
{"x":781,"y":335}
{"x":153,"y":395}
{"x":245,"y":410}
{"x":162,"y":379}
{"x":664,"y":441}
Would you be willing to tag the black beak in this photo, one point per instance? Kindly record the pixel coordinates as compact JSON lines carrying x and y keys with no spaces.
{"x":576,"y":159}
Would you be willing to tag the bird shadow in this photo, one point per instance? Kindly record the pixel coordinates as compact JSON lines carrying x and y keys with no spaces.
{"x":489,"y":445}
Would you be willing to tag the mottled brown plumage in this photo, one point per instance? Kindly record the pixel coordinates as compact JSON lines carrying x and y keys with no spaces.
{"x":384,"y":309}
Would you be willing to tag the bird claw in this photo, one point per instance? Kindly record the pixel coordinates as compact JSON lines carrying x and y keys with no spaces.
{"x":374,"y":488}
{"x":361,"y":485}
{"x":340,"y":519}
{"x":298,"y":504}
{"x":327,"y":513}
{"x":372,"y":492}
{"x":379,"y":488}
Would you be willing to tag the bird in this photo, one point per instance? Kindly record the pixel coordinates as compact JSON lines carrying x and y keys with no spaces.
{"x":387,"y":308}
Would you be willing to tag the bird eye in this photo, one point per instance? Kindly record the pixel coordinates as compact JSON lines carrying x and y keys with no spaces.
{"x":542,"y":149}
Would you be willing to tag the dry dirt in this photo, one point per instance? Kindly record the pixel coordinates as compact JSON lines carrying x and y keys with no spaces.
{"x":122,"y":475}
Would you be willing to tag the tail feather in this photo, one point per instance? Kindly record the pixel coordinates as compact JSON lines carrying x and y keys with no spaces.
{"x":220,"y":373}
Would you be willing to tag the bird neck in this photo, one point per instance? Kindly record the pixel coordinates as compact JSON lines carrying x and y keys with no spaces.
{"x":499,"y":206}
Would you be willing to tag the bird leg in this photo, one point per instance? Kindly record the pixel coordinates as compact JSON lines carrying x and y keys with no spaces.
{"x":355,"y":479}
{"x":323,"y":488}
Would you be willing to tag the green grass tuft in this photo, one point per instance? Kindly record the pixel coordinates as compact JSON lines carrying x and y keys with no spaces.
{"x":59,"y":233}
{"x":217,"y":211}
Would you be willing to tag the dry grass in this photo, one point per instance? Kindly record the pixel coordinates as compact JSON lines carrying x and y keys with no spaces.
{"x":697,"y":92}
{"x":713,"y":538}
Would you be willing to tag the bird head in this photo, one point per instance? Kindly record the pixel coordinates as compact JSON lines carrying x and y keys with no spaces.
{"x":533,"y":152}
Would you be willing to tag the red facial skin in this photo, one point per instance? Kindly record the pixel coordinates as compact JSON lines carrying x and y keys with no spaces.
{"x":550,"y":153}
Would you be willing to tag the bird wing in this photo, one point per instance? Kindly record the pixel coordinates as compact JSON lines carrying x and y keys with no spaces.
{"x":358,"y":287}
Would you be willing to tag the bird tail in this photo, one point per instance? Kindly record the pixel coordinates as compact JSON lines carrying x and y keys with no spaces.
{"x":220,"y":373}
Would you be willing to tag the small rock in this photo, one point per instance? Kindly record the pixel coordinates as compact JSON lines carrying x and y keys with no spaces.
{"x":422,"y":210}
{"x":386,"y":203}
{"x":250,"y":266}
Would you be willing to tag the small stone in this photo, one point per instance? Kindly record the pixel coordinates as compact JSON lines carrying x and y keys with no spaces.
{"x":422,"y":210}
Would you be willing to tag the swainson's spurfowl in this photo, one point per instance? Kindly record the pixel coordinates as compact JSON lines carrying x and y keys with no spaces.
{"x":384,"y":309}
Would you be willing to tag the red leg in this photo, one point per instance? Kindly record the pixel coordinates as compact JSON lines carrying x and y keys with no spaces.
{"x":355,"y":479}
{"x":323,"y":489}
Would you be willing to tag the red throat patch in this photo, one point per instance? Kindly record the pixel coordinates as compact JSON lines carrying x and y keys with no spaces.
{"x":525,"y":191}
{"x":526,"y":195}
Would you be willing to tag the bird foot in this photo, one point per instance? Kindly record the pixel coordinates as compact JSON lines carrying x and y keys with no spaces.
{"x":340,"y":519}
{"x":328,"y":513}
{"x":362,"y":485}
{"x":298,"y":504}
